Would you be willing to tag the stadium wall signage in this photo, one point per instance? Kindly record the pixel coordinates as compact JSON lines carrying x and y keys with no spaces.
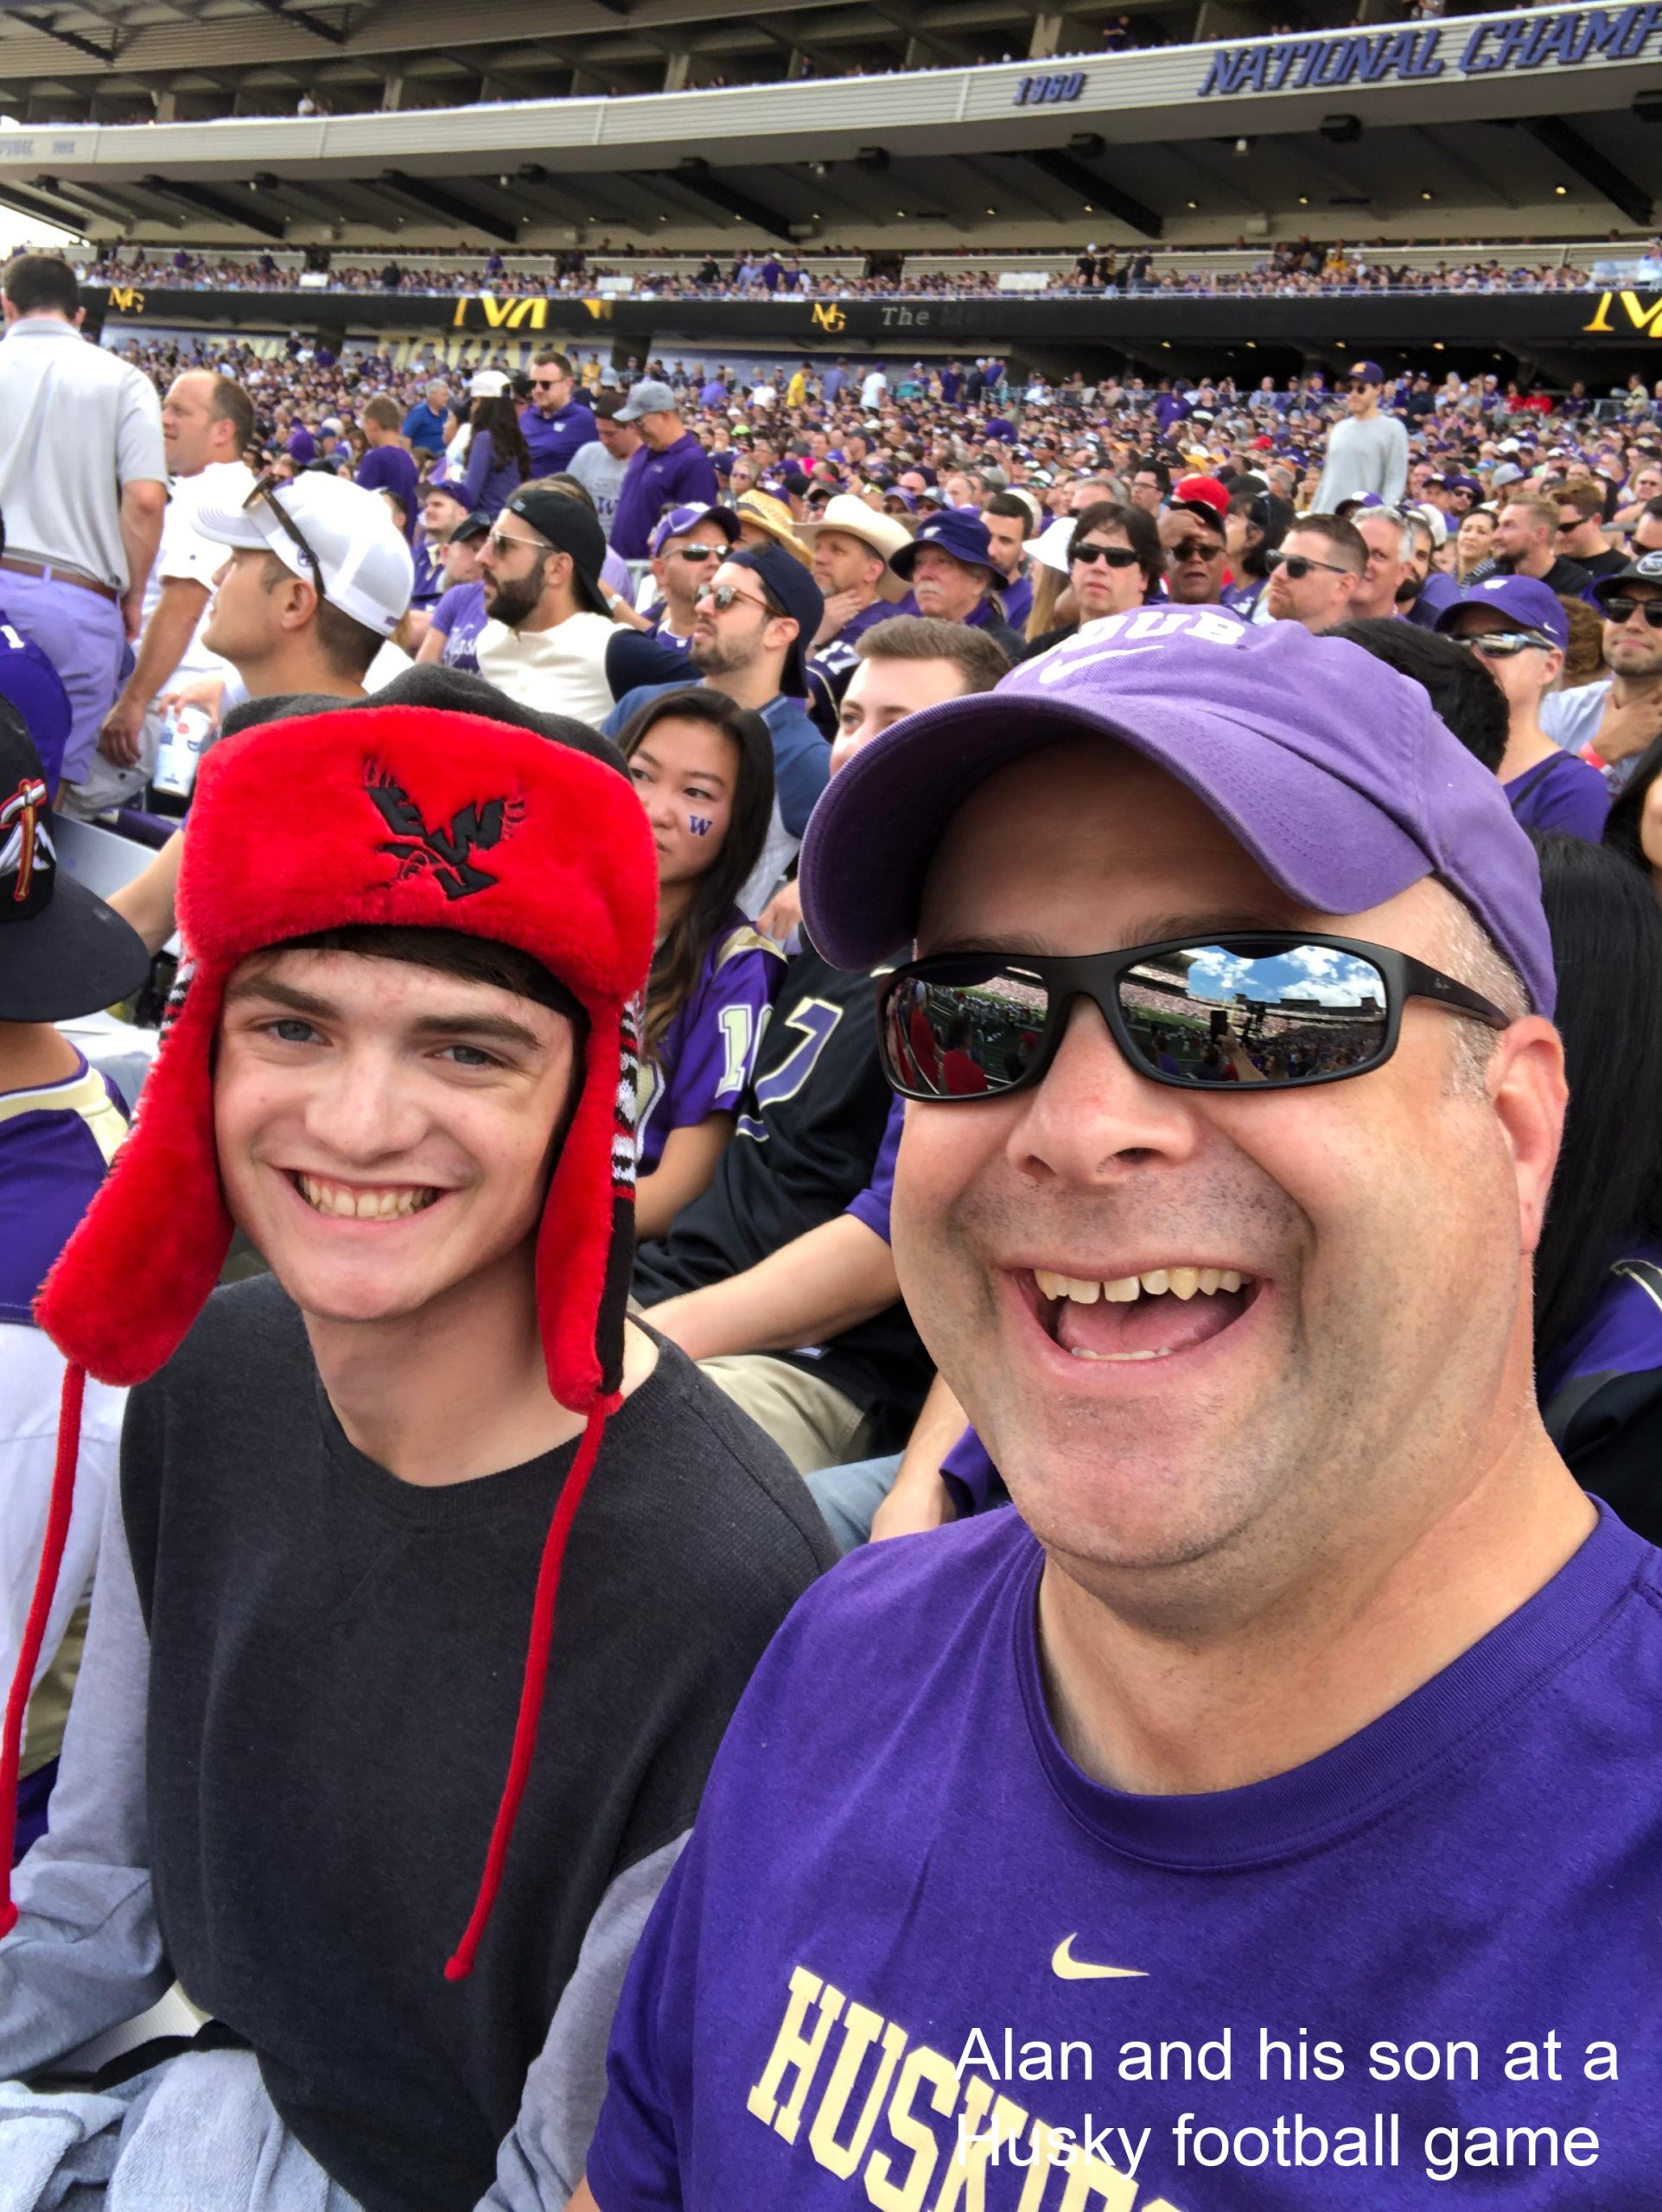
{"x":1334,"y":323}
{"x":1511,"y":43}
{"x":1619,"y":314}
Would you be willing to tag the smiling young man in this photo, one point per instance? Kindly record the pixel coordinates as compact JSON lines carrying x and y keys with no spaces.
{"x":432,"y":1582}
{"x":1285,"y":1760}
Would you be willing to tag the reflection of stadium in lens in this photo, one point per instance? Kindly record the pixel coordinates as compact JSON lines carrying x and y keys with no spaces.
{"x":1253,"y":1010}
{"x":1215,"y":1014}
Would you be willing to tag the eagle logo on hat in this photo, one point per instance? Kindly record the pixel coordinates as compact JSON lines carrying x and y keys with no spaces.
{"x":446,"y":850}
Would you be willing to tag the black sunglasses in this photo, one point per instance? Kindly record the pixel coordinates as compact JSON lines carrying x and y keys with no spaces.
{"x":1117,"y":557}
{"x":1622,"y":610}
{"x":1196,"y":549}
{"x":1299,"y":565}
{"x":266,"y":487}
{"x":1275,"y":1009}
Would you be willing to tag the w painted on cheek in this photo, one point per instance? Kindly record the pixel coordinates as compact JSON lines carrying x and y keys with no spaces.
{"x":700,"y":824}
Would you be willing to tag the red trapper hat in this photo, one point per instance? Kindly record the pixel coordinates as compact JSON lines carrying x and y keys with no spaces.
{"x":408,"y":815}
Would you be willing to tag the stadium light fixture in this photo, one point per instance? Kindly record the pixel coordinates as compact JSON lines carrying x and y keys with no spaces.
{"x":1193,"y":206}
{"x":1303,"y":199}
{"x":1243,"y":146}
{"x":1425,"y":195}
{"x":1561,"y":190}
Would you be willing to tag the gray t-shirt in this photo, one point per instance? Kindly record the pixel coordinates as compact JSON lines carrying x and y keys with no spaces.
{"x":1362,"y":457}
{"x":601,"y":476}
{"x":78,"y":424}
{"x":1571,"y":719}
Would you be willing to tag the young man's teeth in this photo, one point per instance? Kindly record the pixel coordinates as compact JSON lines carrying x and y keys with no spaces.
{"x":1125,"y":1290}
{"x":342,"y":1203}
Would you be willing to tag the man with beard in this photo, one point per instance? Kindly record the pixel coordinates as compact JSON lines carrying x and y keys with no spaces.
{"x":753,"y":622}
{"x":546,"y":640}
{"x":1611,"y":723}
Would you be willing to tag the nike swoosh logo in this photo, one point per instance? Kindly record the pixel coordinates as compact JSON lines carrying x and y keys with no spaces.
{"x":1068,"y":1968}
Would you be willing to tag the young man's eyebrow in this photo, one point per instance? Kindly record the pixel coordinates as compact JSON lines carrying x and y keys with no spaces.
{"x":501,"y":1027}
{"x":289,"y":994}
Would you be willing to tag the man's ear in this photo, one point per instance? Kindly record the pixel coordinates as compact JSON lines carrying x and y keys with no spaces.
{"x":298,"y":602}
{"x":1528,"y":1090}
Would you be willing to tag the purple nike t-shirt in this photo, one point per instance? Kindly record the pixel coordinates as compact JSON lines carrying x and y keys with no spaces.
{"x":1332,"y":1990}
{"x":704,"y":1063}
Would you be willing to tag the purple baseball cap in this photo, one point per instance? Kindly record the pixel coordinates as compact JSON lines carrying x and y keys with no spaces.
{"x":679,"y":520}
{"x":1331,"y":771}
{"x":957,"y":530}
{"x":1522,"y":599}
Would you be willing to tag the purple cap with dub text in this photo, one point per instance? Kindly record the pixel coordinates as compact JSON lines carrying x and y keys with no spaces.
{"x":1331,"y":771}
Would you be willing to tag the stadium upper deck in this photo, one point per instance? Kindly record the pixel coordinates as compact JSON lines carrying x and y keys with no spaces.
{"x":1535,"y":125}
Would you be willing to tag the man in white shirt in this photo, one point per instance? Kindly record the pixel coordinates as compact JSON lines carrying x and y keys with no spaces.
{"x":208,"y":424}
{"x":82,"y":488}
{"x":874,"y":388}
{"x":546,"y":640}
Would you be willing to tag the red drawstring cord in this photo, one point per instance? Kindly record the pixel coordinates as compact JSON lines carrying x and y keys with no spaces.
{"x":531,"y":1693}
{"x":46,"y":1585}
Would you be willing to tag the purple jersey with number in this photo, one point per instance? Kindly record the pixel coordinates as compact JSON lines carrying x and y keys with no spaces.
{"x":914,"y":1957}
{"x":703,"y":1065}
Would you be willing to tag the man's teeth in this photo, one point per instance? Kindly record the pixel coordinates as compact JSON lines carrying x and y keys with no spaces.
{"x":1181,"y":1282}
{"x":345,"y":1202}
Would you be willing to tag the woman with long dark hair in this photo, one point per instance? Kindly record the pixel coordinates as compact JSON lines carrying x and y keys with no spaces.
{"x":1598,"y":1270}
{"x":1633,"y":828}
{"x":704,"y":766}
{"x":498,"y":459}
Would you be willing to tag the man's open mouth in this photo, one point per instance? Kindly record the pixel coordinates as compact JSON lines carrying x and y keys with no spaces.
{"x":364,"y":1202}
{"x":1149,"y":1315}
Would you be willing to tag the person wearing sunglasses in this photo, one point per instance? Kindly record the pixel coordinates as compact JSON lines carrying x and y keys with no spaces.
{"x":1314,"y":573}
{"x":1105,"y":561}
{"x":1194,"y":538}
{"x":1519,"y":631}
{"x":753,"y":620}
{"x":556,"y":424}
{"x":1367,"y":451}
{"x":1610,"y":723}
{"x":1299,"y":1620}
{"x":688,"y":546}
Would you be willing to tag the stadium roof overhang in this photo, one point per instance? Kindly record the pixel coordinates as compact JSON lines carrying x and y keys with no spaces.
{"x":1527,"y":125}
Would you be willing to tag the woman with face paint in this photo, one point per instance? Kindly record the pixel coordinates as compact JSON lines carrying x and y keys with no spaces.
{"x":703,"y":767}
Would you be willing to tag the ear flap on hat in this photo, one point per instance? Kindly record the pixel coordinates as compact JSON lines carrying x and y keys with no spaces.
{"x":585,"y":1249}
{"x":137,"y":1273}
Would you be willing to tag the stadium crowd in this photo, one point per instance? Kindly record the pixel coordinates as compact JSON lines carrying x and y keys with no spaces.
{"x":1292,"y":268}
{"x":626,"y":859}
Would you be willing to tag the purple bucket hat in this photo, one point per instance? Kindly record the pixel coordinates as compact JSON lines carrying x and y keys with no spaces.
{"x":1331,"y":771}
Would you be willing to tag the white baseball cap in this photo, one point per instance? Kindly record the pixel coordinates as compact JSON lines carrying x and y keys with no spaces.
{"x":487,"y":384}
{"x":364,"y":566}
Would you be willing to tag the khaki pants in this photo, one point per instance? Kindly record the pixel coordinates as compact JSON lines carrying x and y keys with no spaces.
{"x":812,"y":1424}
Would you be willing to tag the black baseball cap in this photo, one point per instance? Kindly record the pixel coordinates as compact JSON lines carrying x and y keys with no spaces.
{"x":569,"y":525}
{"x":62,"y":951}
{"x":476,"y":524}
{"x":794,"y":589}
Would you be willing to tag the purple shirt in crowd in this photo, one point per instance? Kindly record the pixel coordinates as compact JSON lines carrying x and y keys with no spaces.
{"x":704,"y":1061}
{"x":460,"y":615}
{"x":1331,"y":1991}
{"x":1562,"y":793}
{"x":681,"y":476}
{"x":552,"y":439}
{"x":390,"y":468}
